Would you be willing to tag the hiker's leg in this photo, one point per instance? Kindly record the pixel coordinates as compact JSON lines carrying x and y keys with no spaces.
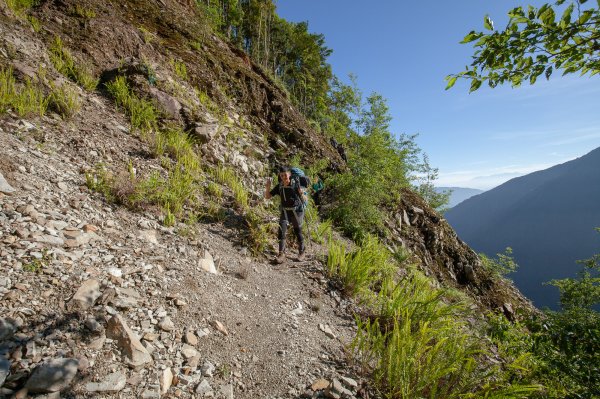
{"x":297,"y":219}
{"x":283,"y":223}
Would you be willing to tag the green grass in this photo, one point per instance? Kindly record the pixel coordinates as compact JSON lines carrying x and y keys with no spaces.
{"x":226,"y":176}
{"x":142,"y":114}
{"x":24,"y":99}
{"x":83,"y":12}
{"x":177,"y":144}
{"x":19,"y":7}
{"x":180,"y":69}
{"x":36,"y":25}
{"x":361,"y":270}
{"x":64,"y":63}
{"x":65,"y":101}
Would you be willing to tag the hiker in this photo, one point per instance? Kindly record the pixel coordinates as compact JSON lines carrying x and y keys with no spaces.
{"x":317,"y":188}
{"x":292,"y":209}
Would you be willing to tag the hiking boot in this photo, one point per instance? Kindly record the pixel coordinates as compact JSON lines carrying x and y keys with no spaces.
{"x":280,"y":258}
{"x":301,"y":256}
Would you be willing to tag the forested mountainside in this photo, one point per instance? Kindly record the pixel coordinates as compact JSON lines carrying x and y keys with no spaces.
{"x":135,"y":240}
{"x":546,"y":217}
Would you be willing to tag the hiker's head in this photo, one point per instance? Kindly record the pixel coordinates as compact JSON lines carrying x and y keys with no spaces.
{"x":285,"y":175}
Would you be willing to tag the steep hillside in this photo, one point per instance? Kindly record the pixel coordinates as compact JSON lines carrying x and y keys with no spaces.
{"x":459,"y":194}
{"x":133,"y":239}
{"x":547,"y":217}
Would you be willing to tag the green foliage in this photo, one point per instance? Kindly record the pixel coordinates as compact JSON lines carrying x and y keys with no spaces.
{"x":360,"y":270}
{"x":36,"y":25}
{"x":502,"y":265}
{"x":259,"y":232}
{"x":425,"y":178}
{"x":142,"y":114}
{"x":35,"y":265}
{"x":177,"y":144}
{"x":24,"y":99}
{"x":65,"y":101}
{"x":83,"y":12}
{"x":536,"y":41}
{"x":227,"y":177}
{"x":20,"y":7}
{"x":64,"y":63}
{"x":179,"y":68}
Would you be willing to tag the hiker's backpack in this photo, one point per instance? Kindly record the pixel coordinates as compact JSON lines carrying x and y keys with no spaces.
{"x":299,"y":179}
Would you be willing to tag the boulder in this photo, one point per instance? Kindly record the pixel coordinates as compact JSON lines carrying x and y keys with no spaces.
{"x":207,"y":263}
{"x":5,"y":187}
{"x":52,"y":376}
{"x":86,"y":295}
{"x":205,"y":133}
{"x":129,"y":343}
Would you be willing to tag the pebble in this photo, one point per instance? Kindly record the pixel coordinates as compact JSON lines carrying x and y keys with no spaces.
{"x":113,"y":382}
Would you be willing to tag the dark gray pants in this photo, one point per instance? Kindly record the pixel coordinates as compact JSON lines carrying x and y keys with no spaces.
{"x":295,"y":218}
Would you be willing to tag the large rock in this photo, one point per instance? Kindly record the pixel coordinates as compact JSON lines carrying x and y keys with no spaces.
{"x":52,"y":376}
{"x":4,"y":370}
{"x":135,"y":353}
{"x":4,"y":186}
{"x":126,"y":298}
{"x":86,"y":295}
{"x":207,"y":263}
{"x":206,"y":133}
{"x":166,"y":102}
{"x":7,"y":328}
{"x":113,"y":382}
{"x":166,"y":379}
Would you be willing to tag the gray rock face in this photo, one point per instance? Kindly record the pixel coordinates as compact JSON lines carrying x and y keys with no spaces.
{"x":86,"y":295}
{"x":166,"y":102}
{"x":52,"y":376}
{"x":206,"y":133}
{"x":4,"y":370}
{"x":113,"y":382}
{"x":7,"y":328}
{"x":5,"y":187}
{"x":136,"y":354}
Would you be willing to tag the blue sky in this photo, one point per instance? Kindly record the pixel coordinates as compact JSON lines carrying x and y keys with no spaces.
{"x":403,"y":50}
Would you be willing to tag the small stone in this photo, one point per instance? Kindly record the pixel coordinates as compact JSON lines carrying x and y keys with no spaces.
{"x":90,"y":228}
{"x":190,"y":338}
{"x":93,"y":325}
{"x":86,"y":295}
{"x":207,"y":369}
{"x":319,"y":384}
{"x":203,"y":388}
{"x":52,"y":376}
{"x":227,"y":391}
{"x":113,"y":382}
{"x":189,"y":352}
{"x":166,"y":324}
{"x":349,"y":382}
{"x":219,"y":327}
{"x":150,"y":236}
{"x":327,"y":330}
{"x":152,"y":392}
{"x":207,"y":263}
{"x":166,"y":379}
{"x":5,"y":187}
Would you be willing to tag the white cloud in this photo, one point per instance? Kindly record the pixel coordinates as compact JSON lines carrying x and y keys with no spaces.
{"x":485,"y":179}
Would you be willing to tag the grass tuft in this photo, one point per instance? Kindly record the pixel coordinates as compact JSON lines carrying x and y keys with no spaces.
{"x":142,"y":114}
{"x":24,"y":99}
{"x":65,"y":101}
{"x":180,"y":69}
{"x":64,"y":63}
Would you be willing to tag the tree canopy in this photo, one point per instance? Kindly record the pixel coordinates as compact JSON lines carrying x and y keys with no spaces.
{"x":562,"y":36}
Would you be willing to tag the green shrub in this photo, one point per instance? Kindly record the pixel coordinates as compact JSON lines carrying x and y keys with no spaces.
{"x":25,"y":99}
{"x":142,"y":114}
{"x":502,"y":265}
{"x":64,"y":63}
{"x":227,"y":177}
{"x":259,"y":233}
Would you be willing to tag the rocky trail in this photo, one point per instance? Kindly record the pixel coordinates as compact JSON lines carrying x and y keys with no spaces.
{"x":99,"y":301}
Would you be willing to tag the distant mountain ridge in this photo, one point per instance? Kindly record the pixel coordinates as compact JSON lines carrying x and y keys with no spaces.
{"x":547,"y":217}
{"x":459,"y":194}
